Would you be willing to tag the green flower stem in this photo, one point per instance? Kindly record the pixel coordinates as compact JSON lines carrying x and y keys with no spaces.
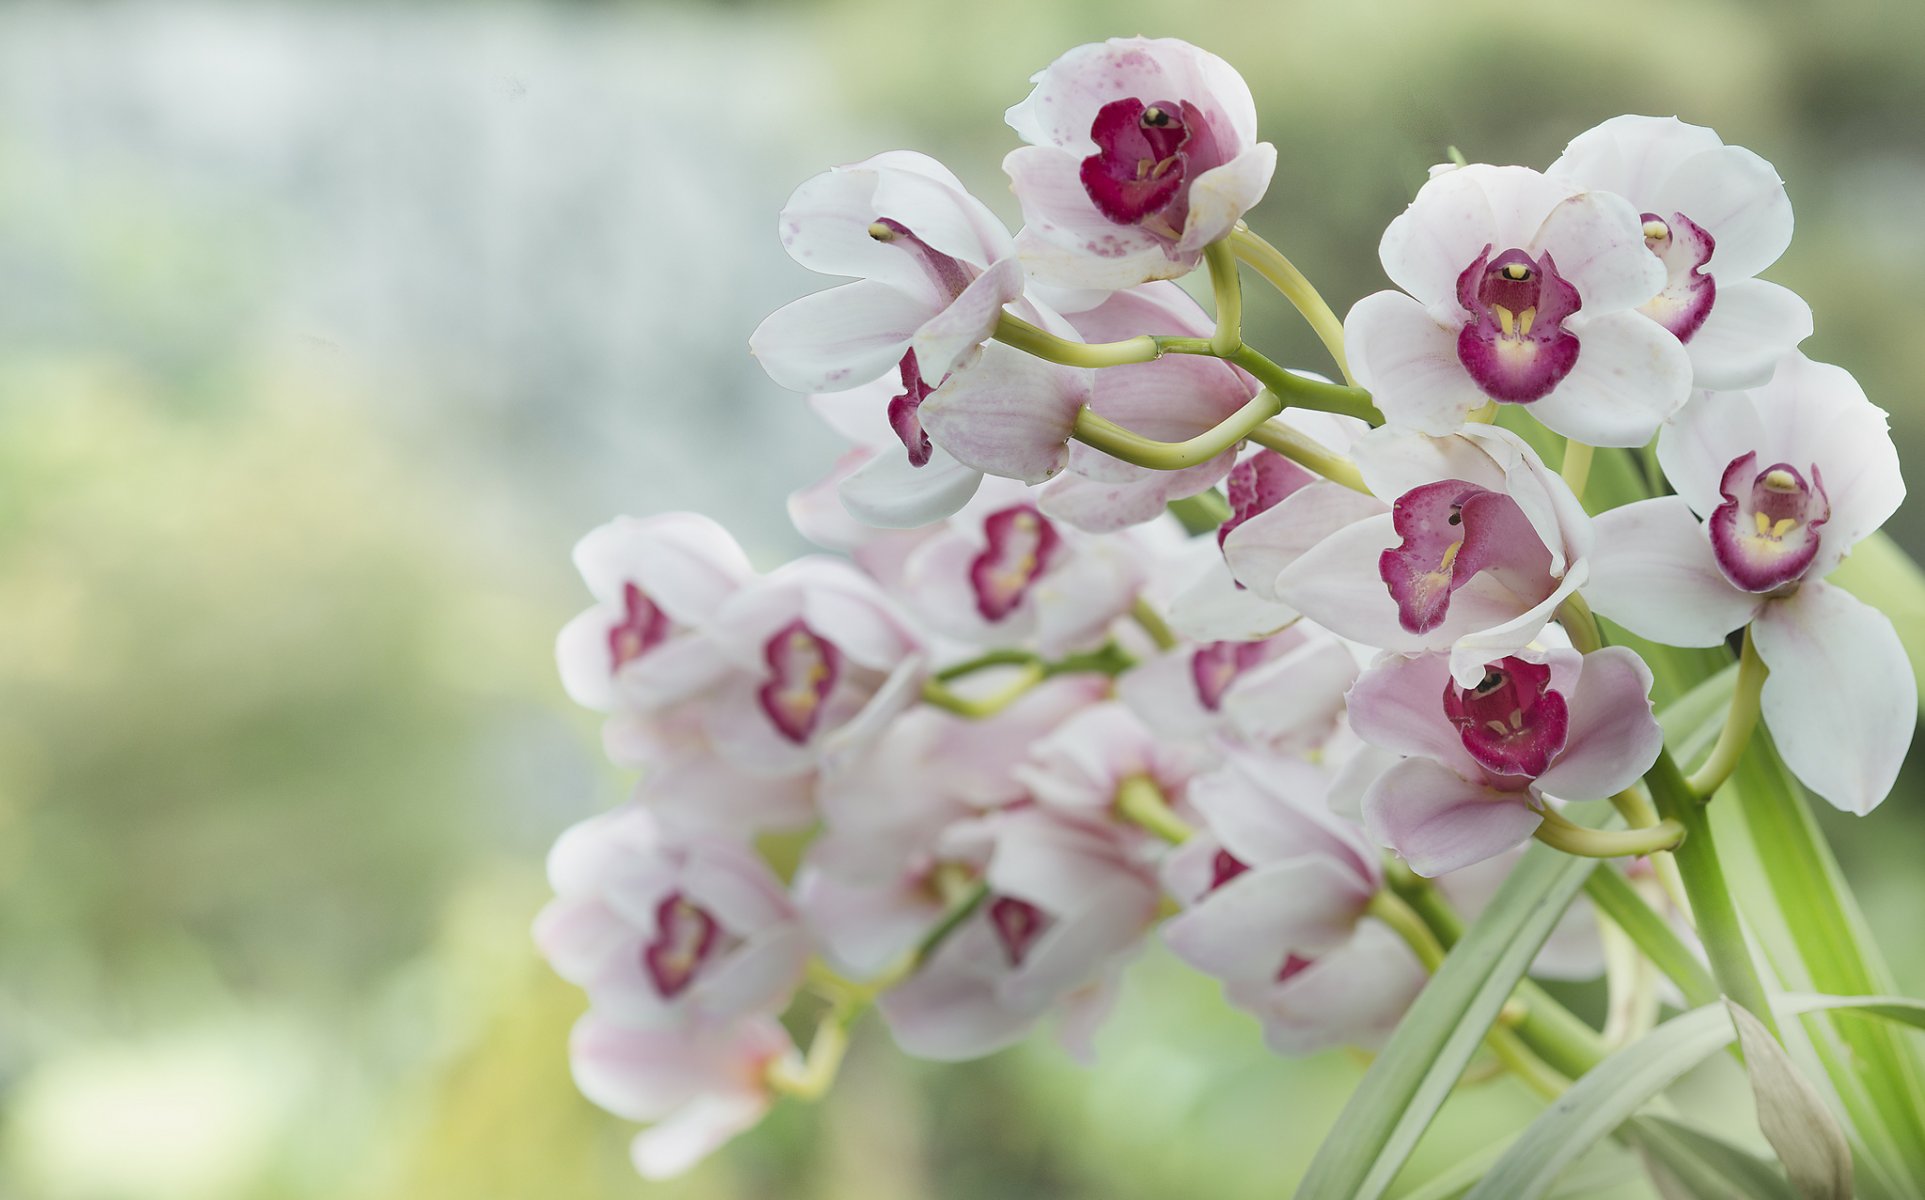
{"x":1014,"y":331}
{"x":1305,"y":452}
{"x":1140,"y":802}
{"x":1298,"y":392}
{"x":1144,"y":614}
{"x":810,"y":1079}
{"x":1509,"y":1045}
{"x":1634,"y":805}
{"x":1618,"y":900}
{"x":1704,"y":883}
{"x":1282,"y":274}
{"x":1551,"y":1031}
{"x":1740,"y":719}
{"x":941,"y":696}
{"x":1575,"y":615}
{"x":994,"y":658}
{"x":1119,"y":443}
{"x":1560,"y":833}
{"x":1228,"y":289}
{"x":1202,"y":512}
{"x":1577,"y":465}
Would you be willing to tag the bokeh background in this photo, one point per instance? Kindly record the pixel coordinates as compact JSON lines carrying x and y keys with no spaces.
{"x":325,"y":329}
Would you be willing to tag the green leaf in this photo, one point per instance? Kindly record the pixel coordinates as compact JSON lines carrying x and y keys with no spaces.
{"x":1410,"y":1080}
{"x":1609,"y":1094}
{"x":1690,"y":1164}
{"x":1883,"y":576}
{"x":1792,"y":1114}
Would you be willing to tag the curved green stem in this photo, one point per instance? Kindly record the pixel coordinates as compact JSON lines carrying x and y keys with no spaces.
{"x":1740,"y":719}
{"x":1014,"y":331}
{"x":1228,"y":290}
{"x":810,"y":1078}
{"x":1140,"y":802}
{"x":1202,"y":512}
{"x":1717,"y":917}
{"x":1561,"y":833}
{"x":1144,"y":614}
{"x":1274,"y":435}
{"x":1618,"y":900}
{"x":1577,"y":465}
{"x":1298,"y":392}
{"x":1283,"y":275}
{"x":1575,"y":615}
{"x":1118,"y":442}
{"x":935,"y":693}
{"x":994,"y":658}
{"x":1634,"y":805}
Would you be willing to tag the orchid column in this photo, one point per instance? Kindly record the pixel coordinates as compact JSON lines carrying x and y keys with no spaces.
{"x":1129,"y":632}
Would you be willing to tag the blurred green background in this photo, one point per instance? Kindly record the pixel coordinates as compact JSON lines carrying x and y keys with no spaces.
{"x":326,"y":329}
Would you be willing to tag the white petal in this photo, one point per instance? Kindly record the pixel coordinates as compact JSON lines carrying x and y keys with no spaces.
{"x":1597,"y":242}
{"x":1429,"y":244}
{"x":1613,"y":738}
{"x":1438,"y":821}
{"x":1630,"y":375}
{"x":673,"y":1147}
{"x":1246,"y":928}
{"x":940,"y":212}
{"x":1632,"y":155}
{"x":1105,"y":507}
{"x":1653,"y":572}
{"x":1214,"y":609}
{"x":1259,"y":549}
{"x":1065,"y":241}
{"x":1751,"y":326}
{"x":1739,"y":198}
{"x":1841,"y":699}
{"x":1409,"y":362}
{"x":1697,"y":444}
{"x":1219,"y":197}
{"x":841,"y":338}
{"x":1005,"y":413}
{"x":889,"y":493}
{"x":966,"y":321}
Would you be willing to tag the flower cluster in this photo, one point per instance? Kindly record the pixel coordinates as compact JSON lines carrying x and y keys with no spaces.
{"x":1128,"y":633}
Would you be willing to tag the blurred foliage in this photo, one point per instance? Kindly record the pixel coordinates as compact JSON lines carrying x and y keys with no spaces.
{"x":281,"y":743}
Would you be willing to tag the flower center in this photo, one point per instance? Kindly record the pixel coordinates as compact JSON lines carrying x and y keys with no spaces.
{"x":1511,"y":722}
{"x":685,"y":936}
{"x":1515,"y":345}
{"x":1765,"y":534}
{"x":1146,"y":154}
{"x":642,"y":628}
{"x":1684,"y":247}
{"x":1022,"y":544}
{"x":802,"y":671}
{"x":1224,"y":867}
{"x":1452,"y":530}
{"x":1216,"y":666}
{"x":1018,"y":924}
{"x":905,"y":415}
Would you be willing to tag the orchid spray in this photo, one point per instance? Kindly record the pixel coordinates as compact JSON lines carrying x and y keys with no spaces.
{"x":1343,"y":687}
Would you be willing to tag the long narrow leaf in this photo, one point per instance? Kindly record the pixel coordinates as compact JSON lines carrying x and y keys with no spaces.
{"x":1695,"y":1165}
{"x":1409,"y":1081}
{"x":1609,"y":1094}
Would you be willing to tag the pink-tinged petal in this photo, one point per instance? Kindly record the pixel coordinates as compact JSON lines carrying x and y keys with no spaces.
{"x":638,"y":1074}
{"x":1493,"y":631}
{"x":577,"y":936}
{"x":950,"y":1010}
{"x":1751,"y":326}
{"x":1841,"y":699}
{"x":701,"y":793}
{"x":1072,"y":90}
{"x":1437,"y":821}
{"x":1246,"y":928}
{"x":1410,"y":364}
{"x":1398,"y":704}
{"x":1598,"y":240}
{"x":758,"y":977}
{"x":846,"y":336}
{"x":1630,"y":375}
{"x":1653,"y":572}
{"x":1262,"y":546}
{"x":933,"y":203}
{"x":1105,"y":507}
{"x":1352,"y":996}
{"x":1297,"y":695}
{"x":1006,"y":413}
{"x":685,"y":562}
{"x":674,"y":671}
{"x":1214,"y":609}
{"x":1083,"y":1013}
{"x":1428,"y":245}
{"x":1219,"y":197}
{"x":966,"y":321}
{"x":673,"y":1147}
{"x":1065,"y":241}
{"x":1268,"y":808}
{"x":1766,"y":533}
{"x":1613,"y":737}
{"x":887,"y":493}
{"x":866,"y":928}
{"x":825,"y":227}
{"x":1077,"y":603}
{"x":1738,"y":197}
{"x":1336,"y":584}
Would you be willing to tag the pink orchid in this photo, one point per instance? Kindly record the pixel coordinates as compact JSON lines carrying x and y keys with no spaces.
{"x":1775,"y":486}
{"x":656,"y":581}
{"x":1142,"y":151}
{"x":1522,"y":289}
{"x":690,"y":786}
{"x":1481,"y":546}
{"x":1714,"y":215}
{"x":1275,"y":893}
{"x":1283,"y":692}
{"x":1483,"y":759}
{"x":901,"y":812}
{"x":1080,"y":768}
{"x":877,"y":485}
{"x":697,"y":1088}
{"x":1068,"y":903}
{"x":664,"y":929}
{"x":934,"y":268}
{"x":1004,"y":574}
